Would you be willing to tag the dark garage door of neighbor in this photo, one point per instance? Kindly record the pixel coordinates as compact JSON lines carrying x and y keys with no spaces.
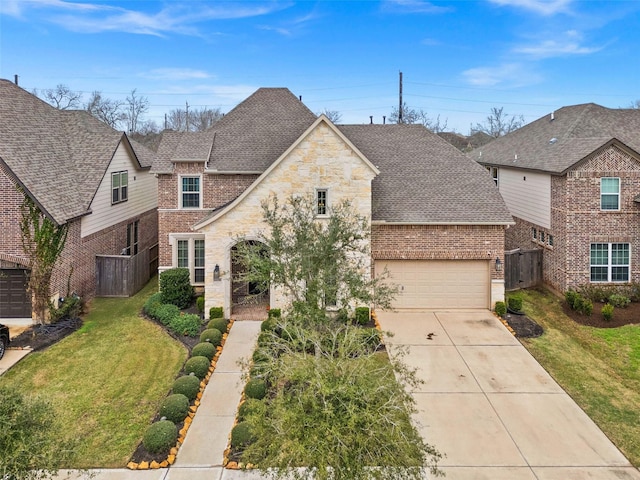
{"x":15,"y":301}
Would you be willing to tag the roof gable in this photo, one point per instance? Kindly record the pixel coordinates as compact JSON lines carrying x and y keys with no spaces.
{"x":59,"y":156}
{"x":556,"y":142}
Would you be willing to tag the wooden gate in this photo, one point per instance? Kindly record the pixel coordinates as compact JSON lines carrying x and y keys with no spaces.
{"x":522,"y":268}
{"x":121,"y":275}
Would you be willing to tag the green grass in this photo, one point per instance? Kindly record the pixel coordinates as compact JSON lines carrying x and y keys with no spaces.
{"x":106,"y":381}
{"x":599,"y":368}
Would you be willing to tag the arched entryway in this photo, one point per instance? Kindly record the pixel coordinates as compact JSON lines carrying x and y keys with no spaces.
{"x":249,"y":300}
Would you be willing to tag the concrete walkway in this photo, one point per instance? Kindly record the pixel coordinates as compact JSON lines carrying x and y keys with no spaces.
{"x":491,"y":408}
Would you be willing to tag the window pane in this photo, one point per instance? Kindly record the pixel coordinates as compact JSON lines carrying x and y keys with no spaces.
{"x":619,"y":254}
{"x":115,"y":180}
{"x":322,"y":202}
{"x":123,"y":193}
{"x":124,"y":178}
{"x":610,"y":185}
{"x":599,"y":254}
{"x":183,"y":253}
{"x":599,"y":274}
{"x":191,"y":192}
{"x":115,"y":195}
{"x":198,"y":256}
{"x":619,"y":274}
{"x":609,"y":202}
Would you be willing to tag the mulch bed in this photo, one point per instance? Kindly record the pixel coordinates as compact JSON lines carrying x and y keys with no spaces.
{"x":621,"y":316}
{"x":39,"y":337}
{"x":523,"y":326}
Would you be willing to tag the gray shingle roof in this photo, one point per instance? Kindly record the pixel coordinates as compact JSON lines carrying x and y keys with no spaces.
{"x":424,"y":179}
{"x":556,"y":145}
{"x":59,"y":156}
{"x":247,"y":139}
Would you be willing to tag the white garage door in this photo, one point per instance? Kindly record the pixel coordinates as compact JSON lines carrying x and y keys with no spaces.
{"x":439,"y":283}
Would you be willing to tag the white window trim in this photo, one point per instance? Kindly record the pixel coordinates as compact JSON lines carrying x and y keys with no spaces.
{"x":609,"y":265}
{"x":495,"y":174}
{"x":610,"y":194}
{"x":173,"y":241}
{"x":326,"y":207}
{"x":119,"y":188}
{"x":180,"y":177}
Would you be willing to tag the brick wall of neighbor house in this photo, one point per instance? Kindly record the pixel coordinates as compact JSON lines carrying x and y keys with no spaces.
{"x":76,"y":269}
{"x":10,"y":243}
{"x":218,"y":190}
{"x":586,"y":223}
{"x":439,"y":242}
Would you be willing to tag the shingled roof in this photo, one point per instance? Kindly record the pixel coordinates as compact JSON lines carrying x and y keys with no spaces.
{"x":424,"y":179}
{"x":557,"y":141}
{"x":58,"y":156}
{"x":247,"y":139}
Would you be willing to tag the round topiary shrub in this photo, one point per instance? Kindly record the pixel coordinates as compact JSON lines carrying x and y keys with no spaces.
{"x":175,"y":407}
{"x":152,"y":304}
{"x":204,"y":349}
{"x":501,"y":308}
{"x":218,"y":324}
{"x":216,"y":312}
{"x":241,"y":435}
{"x":187,"y":385}
{"x":198,"y":365}
{"x":251,"y":406}
{"x":212,"y":336}
{"x":160,"y":437}
{"x":255,"y":388}
{"x":166,"y":312}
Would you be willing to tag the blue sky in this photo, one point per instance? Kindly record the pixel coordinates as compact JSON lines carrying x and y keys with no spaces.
{"x":459,"y":58}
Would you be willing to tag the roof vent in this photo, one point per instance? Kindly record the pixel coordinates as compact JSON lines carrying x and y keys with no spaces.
{"x":515,"y":157}
{"x":553,"y":116}
{"x":553,"y":140}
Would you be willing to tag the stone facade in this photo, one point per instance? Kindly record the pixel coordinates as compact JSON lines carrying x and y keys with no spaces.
{"x":577,"y":219}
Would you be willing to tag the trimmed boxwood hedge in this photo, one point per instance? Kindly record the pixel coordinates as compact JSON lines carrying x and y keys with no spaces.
{"x":176,"y":288}
{"x":160,"y":437}
{"x":255,"y":388}
{"x":218,"y":324}
{"x":212,"y":336}
{"x":241,"y":435}
{"x":216,"y":312}
{"x":204,"y":349}
{"x":187,"y":385}
{"x":198,"y":365}
{"x":175,"y":407}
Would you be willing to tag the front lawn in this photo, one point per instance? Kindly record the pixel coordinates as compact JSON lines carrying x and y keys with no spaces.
{"x":107,"y":380}
{"x":598,"y":367}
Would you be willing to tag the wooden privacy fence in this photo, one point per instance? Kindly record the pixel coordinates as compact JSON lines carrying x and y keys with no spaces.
{"x":522,"y":268}
{"x":121,"y":275}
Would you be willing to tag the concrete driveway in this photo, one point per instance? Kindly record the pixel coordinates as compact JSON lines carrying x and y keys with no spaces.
{"x":491,"y":408}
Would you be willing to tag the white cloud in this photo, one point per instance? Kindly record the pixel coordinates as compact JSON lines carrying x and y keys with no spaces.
{"x":567,"y":43}
{"x":508,"y":75}
{"x":543,"y":7}
{"x":413,"y":6}
{"x":175,"y":74}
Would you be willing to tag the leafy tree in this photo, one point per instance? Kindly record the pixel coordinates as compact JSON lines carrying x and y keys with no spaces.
{"x":136,"y":107}
{"x":109,"y":111}
{"x":30,"y":438}
{"x":319,"y":264}
{"x":61,"y":97}
{"x":413,"y":116}
{"x":499,"y":123}
{"x":42,"y":241}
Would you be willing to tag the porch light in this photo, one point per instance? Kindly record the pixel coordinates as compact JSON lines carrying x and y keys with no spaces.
{"x":498,"y":264}
{"x":216,"y":273}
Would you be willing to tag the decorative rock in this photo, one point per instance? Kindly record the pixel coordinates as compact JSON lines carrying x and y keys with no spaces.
{"x":154,"y":465}
{"x":173,"y":451}
{"x":132,"y":466}
{"x":164,"y":464}
{"x":232,"y":465}
{"x":143,"y":466}
{"x":171,"y":459}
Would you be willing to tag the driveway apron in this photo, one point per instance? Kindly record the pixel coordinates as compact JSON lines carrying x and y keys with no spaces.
{"x":490,"y":407}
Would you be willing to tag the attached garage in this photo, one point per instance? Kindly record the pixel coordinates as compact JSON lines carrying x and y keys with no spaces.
{"x":439,"y":284}
{"x":15,"y":301}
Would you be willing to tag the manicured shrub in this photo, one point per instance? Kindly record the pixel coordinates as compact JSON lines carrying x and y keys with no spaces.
{"x":500,"y":308}
{"x":250,"y":406}
{"x":212,"y":336}
{"x":596,"y":292}
{"x":515,"y":303}
{"x":219,"y":324}
{"x":198,"y":365}
{"x":585,"y":306}
{"x":152,"y":303}
{"x":620,"y":301}
{"x":185,"y":324}
{"x":216,"y":312}
{"x":160,"y":437}
{"x":362,"y":315}
{"x":274,"y":313}
{"x":269,"y":325}
{"x":571,"y":296}
{"x":187,"y":385}
{"x":204,"y":349}
{"x":260,"y":356}
{"x":241,"y":435}
{"x":255,"y":388}
{"x":68,"y":307}
{"x":175,"y":286}
{"x":175,"y":407}
{"x":166,"y":312}
{"x":607,"y":312}
{"x":200,"y":304}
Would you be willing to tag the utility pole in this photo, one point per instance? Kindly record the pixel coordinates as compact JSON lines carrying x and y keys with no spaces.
{"x":400,"y":120}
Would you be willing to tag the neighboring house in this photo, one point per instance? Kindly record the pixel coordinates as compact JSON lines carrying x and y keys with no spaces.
{"x":437,"y":220}
{"x":571,"y":180}
{"x":80,"y":172}
{"x":466,"y":143}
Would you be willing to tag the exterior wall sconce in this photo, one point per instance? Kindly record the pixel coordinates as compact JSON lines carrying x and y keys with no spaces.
{"x":216,"y":273}
{"x":498,"y":264}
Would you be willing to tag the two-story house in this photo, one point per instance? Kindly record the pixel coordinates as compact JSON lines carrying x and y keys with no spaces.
{"x":437,"y":221}
{"x":80,"y":172}
{"x":571,"y":180}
